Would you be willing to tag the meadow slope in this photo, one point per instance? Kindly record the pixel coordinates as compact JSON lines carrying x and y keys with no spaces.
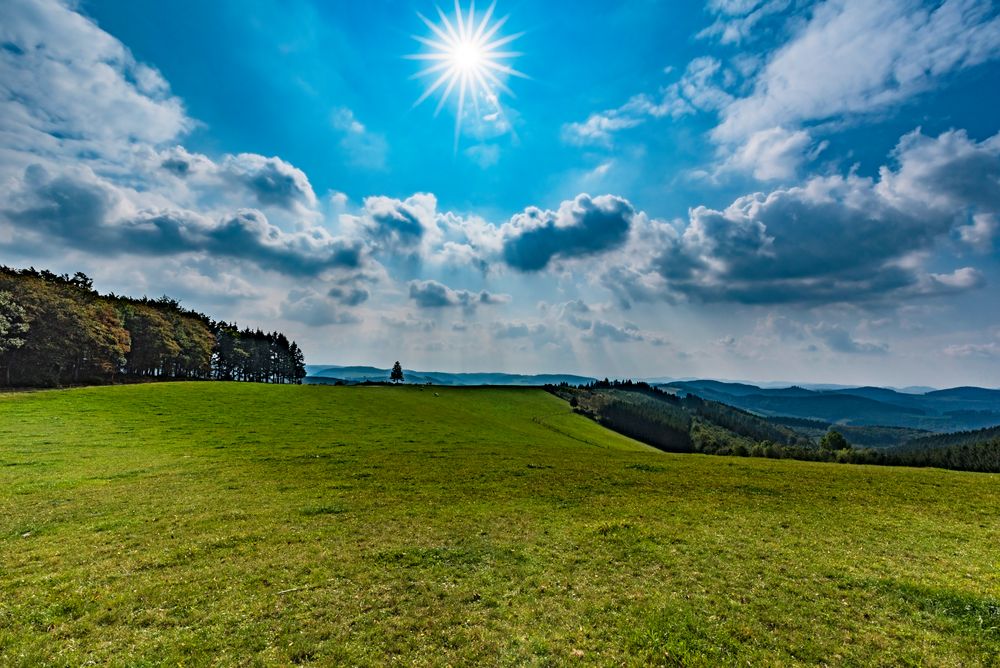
{"x":258,"y":525}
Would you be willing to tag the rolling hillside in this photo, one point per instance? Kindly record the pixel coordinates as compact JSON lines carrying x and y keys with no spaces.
{"x":215,"y":523}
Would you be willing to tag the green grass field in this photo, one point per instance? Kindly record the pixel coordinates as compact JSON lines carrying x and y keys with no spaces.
{"x":238,"y":524}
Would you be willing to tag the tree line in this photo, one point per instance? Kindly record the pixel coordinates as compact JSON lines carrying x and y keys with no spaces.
{"x":56,"y":330}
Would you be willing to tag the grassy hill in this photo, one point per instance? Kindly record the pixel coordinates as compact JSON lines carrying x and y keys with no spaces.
{"x":220,"y":523}
{"x":319,"y":374}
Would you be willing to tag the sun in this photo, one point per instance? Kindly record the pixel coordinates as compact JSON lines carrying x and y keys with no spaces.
{"x":468,"y":59}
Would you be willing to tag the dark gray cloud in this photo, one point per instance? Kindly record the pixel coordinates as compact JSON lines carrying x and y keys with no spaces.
{"x":349,"y":295}
{"x":79,"y":210}
{"x":272,"y":181}
{"x":177,"y":166}
{"x":431,"y":294}
{"x":583,"y":226}
{"x":834,"y":238}
{"x":399,"y":224}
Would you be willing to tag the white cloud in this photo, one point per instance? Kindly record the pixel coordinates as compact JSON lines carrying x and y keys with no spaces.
{"x":700,"y":88}
{"x":739,"y":19}
{"x":987,"y":350}
{"x":858,"y":57}
{"x":848,"y":60}
{"x":69,"y":88}
{"x":598,"y":128}
{"x":772,"y":155}
{"x":981,"y":232}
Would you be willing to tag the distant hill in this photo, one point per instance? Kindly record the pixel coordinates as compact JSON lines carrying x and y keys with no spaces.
{"x":966,"y":393}
{"x":325,"y":374}
{"x":876,"y":393}
{"x":962,"y":438}
{"x":956,"y":409}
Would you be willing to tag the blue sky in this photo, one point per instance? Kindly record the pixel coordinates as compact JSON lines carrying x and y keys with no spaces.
{"x":755,"y":189}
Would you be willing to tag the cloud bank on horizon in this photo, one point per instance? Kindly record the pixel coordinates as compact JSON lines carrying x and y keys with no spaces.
{"x":754,"y":189}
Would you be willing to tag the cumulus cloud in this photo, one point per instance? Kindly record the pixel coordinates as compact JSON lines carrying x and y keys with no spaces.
{"x":272,"y":181}
{"x":69,"y":88}
{"x":183,"y":164}
{"x":580,"y":227}
{"x":78,"y":209}
{"x":89,"y":162}
{"x":311,"y":308}
{"x":399,"y":225}
{"x":980,"y":234}
{"x":835,"y":238}
{"x":431,"y":294}
{"x":773,"y":154}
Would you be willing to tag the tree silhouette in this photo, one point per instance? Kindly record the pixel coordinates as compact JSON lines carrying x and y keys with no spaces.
{"x":397,"y":373}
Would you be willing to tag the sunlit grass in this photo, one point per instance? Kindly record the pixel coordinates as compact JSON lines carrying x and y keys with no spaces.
{"x":225,"y":524}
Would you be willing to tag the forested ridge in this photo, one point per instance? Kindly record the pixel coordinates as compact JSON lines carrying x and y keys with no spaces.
{"x":57,"y":330}
{"x":692,"y":424}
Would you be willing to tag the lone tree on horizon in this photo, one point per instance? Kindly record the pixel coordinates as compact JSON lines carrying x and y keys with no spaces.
{"x":397,"y":373}
{"x":834,"y":440}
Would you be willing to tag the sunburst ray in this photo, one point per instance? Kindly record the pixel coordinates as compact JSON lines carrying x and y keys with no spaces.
{"x":466,"y":56}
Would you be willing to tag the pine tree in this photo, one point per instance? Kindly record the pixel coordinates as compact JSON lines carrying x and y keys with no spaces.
{"x":397,"y":373}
